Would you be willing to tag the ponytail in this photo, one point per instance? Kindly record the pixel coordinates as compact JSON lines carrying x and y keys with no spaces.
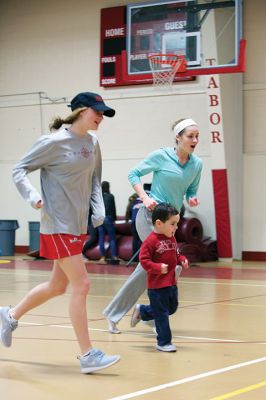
{"x":57,"y":122}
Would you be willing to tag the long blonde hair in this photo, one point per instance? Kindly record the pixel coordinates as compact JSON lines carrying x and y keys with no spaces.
{"x":57,"y":122}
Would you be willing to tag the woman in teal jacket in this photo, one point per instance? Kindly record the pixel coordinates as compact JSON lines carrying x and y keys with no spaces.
{"x":176,"y":174}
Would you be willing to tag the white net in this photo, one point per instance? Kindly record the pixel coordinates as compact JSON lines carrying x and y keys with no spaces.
{"x":164,"y":67}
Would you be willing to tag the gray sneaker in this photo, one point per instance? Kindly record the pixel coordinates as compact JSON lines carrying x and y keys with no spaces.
{"x":96,"y":360}
{"x":7,"y":326}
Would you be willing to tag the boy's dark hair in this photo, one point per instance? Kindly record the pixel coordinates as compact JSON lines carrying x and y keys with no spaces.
{"x":163,"y":212}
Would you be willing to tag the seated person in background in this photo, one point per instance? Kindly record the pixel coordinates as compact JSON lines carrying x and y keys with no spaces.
{"x":108,"y":227}
{"x":134,"y":204}
{"x":93,"y":239}
{"x":159,"y":257}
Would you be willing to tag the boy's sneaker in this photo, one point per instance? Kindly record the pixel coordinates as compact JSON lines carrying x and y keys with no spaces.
{"x":7,"y":326}
{"x":96,"y":360}
{"x":135,"y":316}
{"x":151,"y":324}
{"x":170,"y":348}
{"x":178,"y":270}
{"x":112,"y":327}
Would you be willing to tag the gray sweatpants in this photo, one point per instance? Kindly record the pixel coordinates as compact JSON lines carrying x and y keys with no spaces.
{"x":135,"y":285}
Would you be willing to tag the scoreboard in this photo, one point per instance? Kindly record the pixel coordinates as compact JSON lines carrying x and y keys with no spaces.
{"x":113,"y":42}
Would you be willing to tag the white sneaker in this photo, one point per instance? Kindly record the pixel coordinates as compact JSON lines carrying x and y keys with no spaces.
{"x":112,"y":327}
{"x":96,"y":360}
{"x":136,"y":318}
{"x":151,"y":324}
{"x":170,"y":348}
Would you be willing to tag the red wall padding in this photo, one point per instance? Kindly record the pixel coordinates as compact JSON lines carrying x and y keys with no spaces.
{"x":190,"y":250}
{"x":189,"y":237}
{"x":122,"y":227}
{"x":189,"y":230}
{"x":124,"y":247}
{"x":209,"y":250}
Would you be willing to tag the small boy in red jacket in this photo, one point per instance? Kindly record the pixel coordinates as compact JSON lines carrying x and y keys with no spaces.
{"x":159,"y":257}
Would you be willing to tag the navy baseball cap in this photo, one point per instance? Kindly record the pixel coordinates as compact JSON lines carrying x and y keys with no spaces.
{"x":92,"y":100}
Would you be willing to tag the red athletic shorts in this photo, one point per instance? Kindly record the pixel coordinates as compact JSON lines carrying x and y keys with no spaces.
{"x":60,"y":245}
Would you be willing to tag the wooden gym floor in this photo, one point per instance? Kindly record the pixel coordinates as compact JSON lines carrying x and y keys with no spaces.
{"x":219,"y":329}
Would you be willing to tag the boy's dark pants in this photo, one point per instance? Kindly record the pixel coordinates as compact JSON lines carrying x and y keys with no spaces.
{"x":163,"y":302}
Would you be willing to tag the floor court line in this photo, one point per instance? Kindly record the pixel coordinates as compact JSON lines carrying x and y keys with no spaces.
{"x":240,"y":391}
{"x":185,"y":280}
{"x":201,"y":282}
{"x":187,"y":380}
{"x":148,"y":334}
{"x":218,"y":302}
{"x":243,"y":305}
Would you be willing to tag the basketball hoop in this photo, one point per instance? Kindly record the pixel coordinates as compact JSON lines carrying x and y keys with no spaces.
{"x":164,"y":68}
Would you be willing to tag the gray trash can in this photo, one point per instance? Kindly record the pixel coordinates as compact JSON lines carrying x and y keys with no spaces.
{"x":7,"y":236}
{"x":34,"y":229}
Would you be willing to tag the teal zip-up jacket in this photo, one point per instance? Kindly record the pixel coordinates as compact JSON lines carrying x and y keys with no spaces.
{"x":171,"y":181}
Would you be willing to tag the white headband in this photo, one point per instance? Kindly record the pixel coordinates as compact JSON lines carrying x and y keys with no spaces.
{"x":183,"y":124}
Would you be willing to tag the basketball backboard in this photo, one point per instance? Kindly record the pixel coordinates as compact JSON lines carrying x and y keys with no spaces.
{"x":208,"y":33}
